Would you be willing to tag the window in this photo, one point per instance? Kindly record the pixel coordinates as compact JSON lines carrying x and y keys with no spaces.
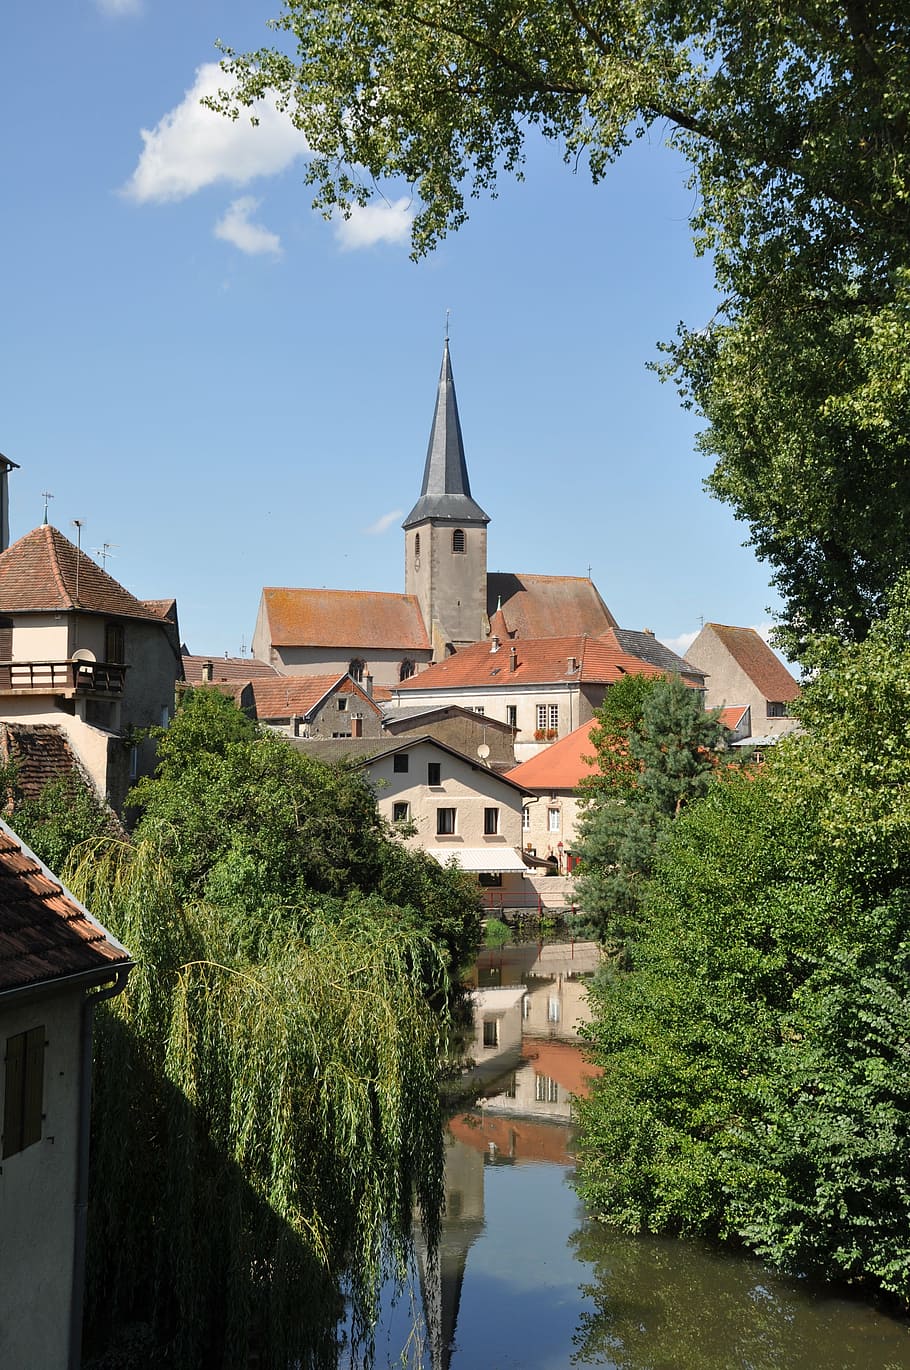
{"x":491,"y":1032}
{"x":6,"y":638}
{"x":357,"y":670}
{"x":445,"y":822}
{"x":552,"y":1009}
{"x":434,"y":773}
{"x":401,"y":812}
{"x":406,"y":670}
{"x":553,"y":820}
{"x":526,"y":1006}
{"x":342,"y":703}
{"x":511,"y":1090}
{"x":23,"y":1096}
{"x":554,"y":716}
{"x":477,"y":709}
{"x":512,"y":715}
{"x":490,"y":880}
{"x":490,"y":822}
{"x":113,"y":643}
{"x":526,"y":818}
{"x":546,"y":1091}
{"x":541,"y":715}
{"x":459,"y":544}
{"x":400,"y":763}
{"x":417,"y":550}
{"x":776,"y":709}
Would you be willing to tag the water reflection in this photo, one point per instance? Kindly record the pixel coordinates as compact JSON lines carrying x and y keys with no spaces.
{"x":525,"y":1281}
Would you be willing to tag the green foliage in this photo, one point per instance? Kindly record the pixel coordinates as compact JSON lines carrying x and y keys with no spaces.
{"x":658,"y":750}
{"x":755,"y":1082}
{"x":262,"y":1126}
{"x":65,"y":813}
{"x":794,"y":121}
{"x":496,"y":933}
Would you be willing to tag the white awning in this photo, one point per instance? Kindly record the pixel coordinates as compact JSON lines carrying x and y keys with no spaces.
{"x":480,"y":860}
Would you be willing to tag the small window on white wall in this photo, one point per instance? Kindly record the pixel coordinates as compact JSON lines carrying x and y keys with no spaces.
{"x":553,"y":820}
{"x":526,"y":818}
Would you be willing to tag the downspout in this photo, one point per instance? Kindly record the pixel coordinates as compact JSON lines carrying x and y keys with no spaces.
{"x":77,"y":1298}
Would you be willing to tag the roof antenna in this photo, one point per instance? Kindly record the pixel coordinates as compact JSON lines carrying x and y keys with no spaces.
{"x":103,"y":552}
{"x":78,"y":524}
{"x":46,"y":495}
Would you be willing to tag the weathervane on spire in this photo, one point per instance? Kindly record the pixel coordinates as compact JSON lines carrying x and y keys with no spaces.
{"x":46,"y":496}
{"x":448,"y":312}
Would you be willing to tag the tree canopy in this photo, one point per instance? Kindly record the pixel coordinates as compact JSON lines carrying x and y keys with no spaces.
{"x":794,"y":120}
{"x":754,"y":1056}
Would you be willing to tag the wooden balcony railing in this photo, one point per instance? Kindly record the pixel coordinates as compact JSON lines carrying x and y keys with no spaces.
{"x":61,"y":677}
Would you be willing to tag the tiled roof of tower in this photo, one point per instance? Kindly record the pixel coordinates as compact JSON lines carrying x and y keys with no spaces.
{"x":286,"y":695}
{"x":45,"y":933}
{"x":547,"y":606}
{"x":225,"y":668}
{"x":39,"y":573}
{"x":446,"y":490}
{"x":344,"y":618}
{"x":561,"y":766}
{"x":753,"y":655}
{"x":538,"y":661}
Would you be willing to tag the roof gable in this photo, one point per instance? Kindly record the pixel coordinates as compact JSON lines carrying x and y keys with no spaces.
{"x":286,"y":696}
{"x":546,"y":606}
{"x":45,"y":933}
{"x":356,"y":619}
{"x":561,"y":766}
{"x":752,"y":654}
{"x":44,"y":571}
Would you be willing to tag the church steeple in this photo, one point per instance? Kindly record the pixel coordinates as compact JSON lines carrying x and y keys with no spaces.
{"x":445,"y":534}
{"x":446,"y":490}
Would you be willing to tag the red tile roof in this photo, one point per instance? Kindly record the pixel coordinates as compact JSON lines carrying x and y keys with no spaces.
{"x":45,"y":933}
{"x":286,"y":695}
{"x":344,"y":618}
{"x":561,"y":766}
{"x":753,"y":655}
{"x":161,"y":608}
{"x":547,"y":606}
{"x":225,"y":668}
{"x":732,"y":716}
{"x":540,"y":661}
{"x":39,"y":573}
{"x":40,"y":753}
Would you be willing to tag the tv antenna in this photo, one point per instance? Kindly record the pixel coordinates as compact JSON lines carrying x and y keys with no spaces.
{"x":46,"y":495}
{"x":78,"y":524}
{"x":103,"y":552}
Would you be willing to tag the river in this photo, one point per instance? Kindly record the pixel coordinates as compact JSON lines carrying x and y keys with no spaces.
{"x":526,"y":1281}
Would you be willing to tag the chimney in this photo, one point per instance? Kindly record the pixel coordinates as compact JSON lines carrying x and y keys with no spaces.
{"x":368,"y":685}
{"x":207,"y":672}
{"x":494,"y":643}
{"x":649,"y":631}
{"x":513,"y":658}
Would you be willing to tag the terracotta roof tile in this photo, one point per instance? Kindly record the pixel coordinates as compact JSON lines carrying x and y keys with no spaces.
{"x":344,"y":618}
{"x":225,"y":668}
{"x":287,"y":695}
{"x":547,"y":606}
{"x":732,"y":716}
{"x":561,"y":766}
{"x":753,"y":655}
{"x":40,"y":753}
{"x":598,"y":660}
{"x":45,"y":933}
{"x":39,"y":573}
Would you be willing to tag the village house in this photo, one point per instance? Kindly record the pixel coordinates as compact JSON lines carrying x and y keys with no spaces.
{"x":81,"y":653}
{"x":56,"y":963}
{"x":741,"y":670}
{"x":553,"y":776}
{"x":542,"y":687}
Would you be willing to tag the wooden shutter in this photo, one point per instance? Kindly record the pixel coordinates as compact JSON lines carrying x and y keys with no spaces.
{"x":12,"y":1095}
{"x":23,"y":1099}
{"x":33,"y":1100}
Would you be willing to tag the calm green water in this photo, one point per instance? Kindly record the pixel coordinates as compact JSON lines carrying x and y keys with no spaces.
{"x":527,"y":1282}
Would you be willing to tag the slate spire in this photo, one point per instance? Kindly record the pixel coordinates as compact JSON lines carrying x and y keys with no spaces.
{"x":446,"y":490}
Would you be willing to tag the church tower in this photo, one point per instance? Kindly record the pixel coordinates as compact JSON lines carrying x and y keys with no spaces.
{"x":445,"y":535}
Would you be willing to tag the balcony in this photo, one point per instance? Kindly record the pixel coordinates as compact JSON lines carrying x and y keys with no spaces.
{"x":68,"y":678}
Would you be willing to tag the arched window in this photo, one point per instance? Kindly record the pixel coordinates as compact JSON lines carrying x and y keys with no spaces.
{"x":458,"y":541}
{"x":357,"y":670}
{"x":416,"y":549}
{"x":407,"y":670}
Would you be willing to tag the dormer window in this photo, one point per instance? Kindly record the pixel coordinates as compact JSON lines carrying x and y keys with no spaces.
{"x":459,"y":544}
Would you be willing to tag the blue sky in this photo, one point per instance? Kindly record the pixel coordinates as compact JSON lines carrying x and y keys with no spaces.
{"x":232,"y":392}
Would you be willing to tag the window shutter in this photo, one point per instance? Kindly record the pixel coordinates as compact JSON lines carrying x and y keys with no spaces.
{"x":12,"y":1097}
{"x":33,"y":1108}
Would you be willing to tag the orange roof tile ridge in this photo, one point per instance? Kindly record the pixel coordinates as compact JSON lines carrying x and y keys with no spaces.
{"x":55,"y":562}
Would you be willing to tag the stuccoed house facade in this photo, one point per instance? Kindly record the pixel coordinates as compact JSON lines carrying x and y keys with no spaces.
{"x":742,"y":671}
{"x":56,"y":963}
{"x":79,"y":652}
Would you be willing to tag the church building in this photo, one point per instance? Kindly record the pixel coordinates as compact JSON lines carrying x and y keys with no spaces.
{"x":449,"y":600}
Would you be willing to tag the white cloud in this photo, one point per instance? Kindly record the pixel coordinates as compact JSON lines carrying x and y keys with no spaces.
{"x":376,"y":223}
{"x":680,"y":645}
{"x":117,"y":8}
{"x":192,"y":147}
{"x":383,"y":524}
{"x":235,"y":227}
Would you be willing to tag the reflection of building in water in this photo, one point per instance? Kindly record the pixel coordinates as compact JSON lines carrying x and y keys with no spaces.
{"x":462,"y":1223}
{"x":555,"y":1007}
{"x":496,"y":1043}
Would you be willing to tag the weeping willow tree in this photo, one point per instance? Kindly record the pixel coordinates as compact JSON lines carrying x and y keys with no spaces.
{"x":262,"y":1126}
